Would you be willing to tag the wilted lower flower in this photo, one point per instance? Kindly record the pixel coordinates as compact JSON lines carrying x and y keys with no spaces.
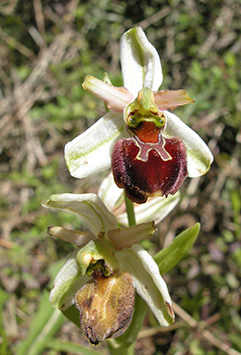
{"x":151,"y":150}
{"x":103,"y":273}
{"x":105,"y":304}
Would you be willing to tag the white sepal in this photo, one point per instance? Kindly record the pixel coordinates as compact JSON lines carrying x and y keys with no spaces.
{"x":90,"y":152}
{"x":140,"y":62}
{"x":155,"y":209}
{"x":67,"y":283}
{"x":110,"y":193}
{"x":199,"y":157}
{"x":147,"y":281}
{"x":88,"y":207}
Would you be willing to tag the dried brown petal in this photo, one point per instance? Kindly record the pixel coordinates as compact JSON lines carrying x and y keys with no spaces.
{"x":106,"y":306}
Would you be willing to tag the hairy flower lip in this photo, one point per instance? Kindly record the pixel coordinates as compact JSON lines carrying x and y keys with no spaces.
{"x":152,"y":176}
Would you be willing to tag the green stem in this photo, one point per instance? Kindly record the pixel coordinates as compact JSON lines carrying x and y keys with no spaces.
{"x":125,"y":344}
{"x":130,"y":211}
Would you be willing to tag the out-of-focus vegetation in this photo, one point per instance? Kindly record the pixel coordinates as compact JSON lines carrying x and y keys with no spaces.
{"x":46,"y":49}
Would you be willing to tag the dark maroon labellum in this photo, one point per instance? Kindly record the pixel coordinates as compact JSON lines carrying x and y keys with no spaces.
{"x":153,"y":177}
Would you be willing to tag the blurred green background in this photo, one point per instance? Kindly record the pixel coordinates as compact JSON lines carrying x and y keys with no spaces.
{"x":46,"y":49}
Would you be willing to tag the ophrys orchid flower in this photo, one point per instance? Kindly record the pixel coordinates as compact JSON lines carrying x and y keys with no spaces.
{"x":101,"y":276}
{"x":151,"y":150}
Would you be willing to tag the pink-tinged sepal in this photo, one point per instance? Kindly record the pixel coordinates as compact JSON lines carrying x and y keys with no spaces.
{"x":166,"y":99}
{"x":153,"y":177}
{"x":116,"y":98}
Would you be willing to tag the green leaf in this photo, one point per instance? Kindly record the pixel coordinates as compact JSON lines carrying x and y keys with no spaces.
{"x":73,"y":315}
{"x":45,"y":324}
{"x":168,"y":258}
{"x":235,"y":339}
{"x":67,"y":346}
{"x":3,"y":298}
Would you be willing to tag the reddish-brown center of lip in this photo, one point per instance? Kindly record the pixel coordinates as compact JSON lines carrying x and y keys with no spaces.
{"x":147,"y":132}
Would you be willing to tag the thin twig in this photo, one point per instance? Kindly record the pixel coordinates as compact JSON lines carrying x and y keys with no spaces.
{"x":153,"y":331}
{"x":39,"y":17}
{"x":205,"y":333}
{"x":154,"y":18}
{"x":11,"y":41}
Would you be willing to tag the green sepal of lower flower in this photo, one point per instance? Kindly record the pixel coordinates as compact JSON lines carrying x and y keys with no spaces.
{"x":143,"y":108}
{"x":92,"y":253}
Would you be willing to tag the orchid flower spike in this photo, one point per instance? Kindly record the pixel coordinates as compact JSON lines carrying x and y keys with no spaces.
{"x":151,"y":151}
{"x":102,"y":274}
